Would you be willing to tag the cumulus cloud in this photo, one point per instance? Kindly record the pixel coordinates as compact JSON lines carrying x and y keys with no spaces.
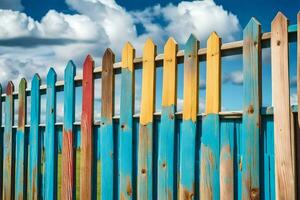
{"x":235,"y":77}
{"x":29,"y":46}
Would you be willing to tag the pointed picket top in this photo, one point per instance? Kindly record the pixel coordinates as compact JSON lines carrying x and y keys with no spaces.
{"x":51,"y":76}
{"x":171,"y":43}
{"x":36,"y":78}
{"x":128,"y":55}
{"x":253,"y":21}
{"x":88,"y":63}
{"x":10,"y":88}
{"x":70,"y":68}
{"x":191,"y":40}
{"x":149,"y":48}
{"x":279,"y":18}
{"x":108,"y":52}
{"x":214,"y":40}
{"x":22,"y":83}
{"x":213,"y":36}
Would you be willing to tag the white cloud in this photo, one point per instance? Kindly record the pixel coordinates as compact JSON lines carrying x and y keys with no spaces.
{"x":234,"y":77}
{"x":294,"y":99}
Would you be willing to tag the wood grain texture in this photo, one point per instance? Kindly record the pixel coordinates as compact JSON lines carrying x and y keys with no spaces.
{"x":191,"y":79}
{"x":213,"y":74}
{"x":106,"y":135}
{"x":34,"y":171}
{"x":68,"y":144}
{"x":210,"y":141}
{"x":284,"y":151}
{"x":190,"y":107}
{"x":21,"y":147}
{"x":148,"y":83}
{"x":145,"y":138}
{"x":87,"y":144}
{"x":8,"y":151}
{"x":166,"y":138}
{"x":126,"y":124}
{"x":251,"y":110}
{"x":51,"y":151}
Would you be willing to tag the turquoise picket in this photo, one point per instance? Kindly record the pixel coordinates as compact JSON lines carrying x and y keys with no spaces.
{"x":251,"y":110}
{"x":50,"y":139}
{"x":21,"y":146}
{"x":190,"y":108}
{"x":8,"y":152}
{"x":126,"y":124}
{"x":68,"y":144}
{"x":34,"y":171}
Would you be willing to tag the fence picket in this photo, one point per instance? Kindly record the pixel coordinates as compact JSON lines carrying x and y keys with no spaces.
{"x":283,"y":135}
{"x":87,"y":144}
{"x":106,"y":136}
{"x":8,"y":153}
{"x":34,"y":171}
{"x":190,"y":109}
{"x":21,"y":146}
{"x":298,"y":97}
{"x":50,"y":139}
{"x":251,"y":110}
{"x":145,"y":139}
{"x":166,"y":141}
{"x":126,"y":124}
{"x":68,"y":147}
{"x":210,"y":142}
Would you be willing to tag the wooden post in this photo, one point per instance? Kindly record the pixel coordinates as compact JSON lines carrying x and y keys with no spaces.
{"x":166,"y":141}
{"x":251,"y":110}
{"x":190,"y":109}
{"x":51,"y":139}
{"x":35,"y":142}
{"x":106,"y":134}
{"x":210,"y":142}
{"x":283,"y":134}
{"x":126,"y":123}
{"x":68,"y":145}
{"x":8,"y":151}
{"x":145,"y":144}
{"x":87,"y":144}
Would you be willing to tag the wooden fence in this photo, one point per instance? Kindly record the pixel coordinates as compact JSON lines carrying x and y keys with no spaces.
{"x":250,"y":154}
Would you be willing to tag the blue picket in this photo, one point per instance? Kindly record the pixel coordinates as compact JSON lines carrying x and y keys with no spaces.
{"x":8,"y":150}
{"x":50,"y":139}
{"x":34,"y":171}
{"x":251,"y":108}
{"x":126,"y":124}
{"x":21,"y":146}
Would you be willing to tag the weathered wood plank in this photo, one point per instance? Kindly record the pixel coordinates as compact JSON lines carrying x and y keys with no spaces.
{"x":21,"y":146}
{"x":68,"y":145}
{"x":210,"y":144}
{"x":34,"y":173}
{"x":51,"y":139}
{"x":166,"y":140}
{"x":145,"y":140}
{"x":8,"y":151}
{"x":283,"y":135}
{"x":126,"y":124}
{"x":106,"y":132}
{"x":251,"y":110}
{"x":87,"y":144}
{"x":190,"y":109}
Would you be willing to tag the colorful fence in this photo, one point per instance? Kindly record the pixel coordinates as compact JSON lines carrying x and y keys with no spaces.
{"x":250,"y":154}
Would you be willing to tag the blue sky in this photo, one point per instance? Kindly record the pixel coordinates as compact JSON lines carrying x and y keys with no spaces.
{"x":35,"y":36}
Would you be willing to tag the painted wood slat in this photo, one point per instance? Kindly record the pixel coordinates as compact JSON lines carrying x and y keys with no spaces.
{"x":210,"y":143}
{"x":126,"y":123}
{"x":166,"y":140}
{"x":283,"y":135}
{"x":298,"y":96}
{"x":8,"y":151}
{"x":106,"y":134}
{"x":21,"y":146}
{"x":145,"y":138}
{"x":251,"y":110}
{"x":87,"y":144}
{"x":68,"y":146}
{"x":51,"y":151}
{"x":190,"y":109}
{"x":34,"y":171}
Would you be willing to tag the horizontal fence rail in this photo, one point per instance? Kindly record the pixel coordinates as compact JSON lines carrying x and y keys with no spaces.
{"x":248,"y":154}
